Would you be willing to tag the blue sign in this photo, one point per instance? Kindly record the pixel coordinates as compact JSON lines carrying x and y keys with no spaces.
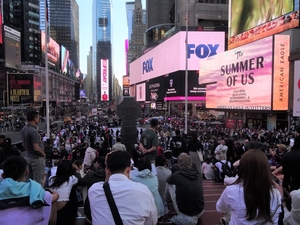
{"x":148,"y":65}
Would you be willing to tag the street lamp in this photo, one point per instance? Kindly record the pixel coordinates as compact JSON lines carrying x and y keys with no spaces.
{"x":3,"y":96}
{"x":186,"y":66}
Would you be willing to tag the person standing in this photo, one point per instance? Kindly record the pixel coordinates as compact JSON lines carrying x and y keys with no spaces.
{"x":34,"y":148}
{"x":149,"y":141}
{"x":118,"y":145}
{"x":296,"y":145}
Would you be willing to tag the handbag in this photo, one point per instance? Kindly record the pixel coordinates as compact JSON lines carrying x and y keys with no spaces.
{"x":112,"y":204}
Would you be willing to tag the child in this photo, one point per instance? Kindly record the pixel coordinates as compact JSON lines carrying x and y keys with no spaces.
{"x":23,"y":200}
{"x":207,"y":169}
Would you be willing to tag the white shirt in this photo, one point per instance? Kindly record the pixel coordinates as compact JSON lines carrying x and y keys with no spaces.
{"x":232,"y":200}
{"x":64,"y":190}
{"x":219,"y":165}
{"x":134,"y":201}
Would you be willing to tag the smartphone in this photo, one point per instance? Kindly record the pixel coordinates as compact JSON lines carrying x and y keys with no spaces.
{"x":277,"y":180}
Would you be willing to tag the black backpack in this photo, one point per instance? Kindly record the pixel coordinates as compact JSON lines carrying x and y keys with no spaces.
{"x":226,"y":169}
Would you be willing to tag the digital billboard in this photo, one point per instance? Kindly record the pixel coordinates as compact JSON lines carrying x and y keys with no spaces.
{"x":37,"y":90}
{"x":53,"y":52}
{"x":104,"y":73}
{"x":243,"y":77}
{"x":252,"y":20}
{"x":296,"y":107}
{"x":64,"y":59}
{"x":12,"y":48}
{"x":20,"y":88}
{"x":170,"y":55}
{"x":141,"y":92}
{"x":126,"y":85}
{"x":82,"y":94}
{"x":281,"y":72}
{"x":171,"y":87}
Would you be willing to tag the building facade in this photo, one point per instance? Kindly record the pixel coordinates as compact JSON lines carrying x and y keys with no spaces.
{"x":64,"y":26}
{"x":158,"y":11}
{"x":24,"y":17}
{"x":101,"y":23}
{"x":136,"y":43}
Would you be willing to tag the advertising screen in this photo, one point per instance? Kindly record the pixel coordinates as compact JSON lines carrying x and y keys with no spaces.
{"x":170,"y":55}
{"x":21,"y":88}
{"x":82,"y":93}
{"x":243,"y":77}
{"x":12,"y":48}
{"x":171,"y":87}
{"x":1,"y":19}
{"x":53,"y":52}
{"x":281,"y":72}
{"x":141,"y":92}
{"x":252,"y":20}
{"x":37,"y":89}
{"x":296,"y":108}
{"x":126,"y":85}
{"x":104,"y":66}
{"x":64,"y":59}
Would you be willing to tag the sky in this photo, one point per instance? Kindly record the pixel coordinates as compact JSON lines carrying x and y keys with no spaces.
{"x":119,"y":34}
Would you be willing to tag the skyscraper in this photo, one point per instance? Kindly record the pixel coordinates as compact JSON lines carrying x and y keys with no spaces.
{"x":64,"y":26}
{"x":158,"y":12}
{"x":129,"y":15}
{"x":101,"y":42}
{"x":24,"y":17}
{"x":136,"y":43}
{"x":43,"y":14}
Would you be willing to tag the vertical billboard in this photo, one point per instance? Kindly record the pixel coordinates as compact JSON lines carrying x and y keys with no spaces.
{"x":53,"y":52}
{"x":141,"y":92}
{"x":82,"y":94}
{"x":281,"y":72}
{"x":104,"y":65}
{"x":1,"y":19}
{"x":126,"y":56}
{"x":243,"y":77}
{"x":296,"y":108}
{"x":126,"y":85}
{"x":252,"y":20}
{"x":37,"y":90}
{"x":12,"y":48}
{"x":20,"y":88}
{"x":64,"y":59}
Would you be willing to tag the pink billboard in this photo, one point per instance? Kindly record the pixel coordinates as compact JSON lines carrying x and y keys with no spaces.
{"x":240,"y":78}
{"x":104,"y":65}
{"x":170,"y":56}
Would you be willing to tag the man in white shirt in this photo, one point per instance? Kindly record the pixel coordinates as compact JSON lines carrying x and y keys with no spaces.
{"x":134,"y":201}
{"x":118,"y":145}
{"x":221,"y":150}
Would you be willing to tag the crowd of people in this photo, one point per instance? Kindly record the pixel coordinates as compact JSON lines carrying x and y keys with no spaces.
{"x":86,"y":163}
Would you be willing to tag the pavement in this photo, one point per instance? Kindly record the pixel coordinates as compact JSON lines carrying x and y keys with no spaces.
{"x":16,"y":137}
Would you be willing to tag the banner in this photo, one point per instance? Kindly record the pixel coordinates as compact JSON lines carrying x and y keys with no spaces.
{"x":20,"y":88}
{"x":243,"y":77}
{"x":104,"y":66}
{"x":141,"y":92}
{"x":281,"y":72}
{"x":126,"y":85}
{"x":296,"y":108}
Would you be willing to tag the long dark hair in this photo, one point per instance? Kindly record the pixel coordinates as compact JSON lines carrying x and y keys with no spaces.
{"x":256,"y":178}
{"x":64,"y":171}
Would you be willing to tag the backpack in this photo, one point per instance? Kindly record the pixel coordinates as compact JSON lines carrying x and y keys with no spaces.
{"x":226,"y":169}
{"x":176,"y":148}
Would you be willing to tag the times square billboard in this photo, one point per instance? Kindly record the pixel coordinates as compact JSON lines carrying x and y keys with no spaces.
{"x":170,"y":56}
{"x":171,"y":88}
{"x":53,"y":52}
{"x":253,"y":20}
{"x":104,"y":73}
{"x":251,"y":77}
{"x":25,"y":88}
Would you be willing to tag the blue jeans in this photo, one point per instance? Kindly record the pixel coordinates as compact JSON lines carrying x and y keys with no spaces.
{"x":36,"y":169}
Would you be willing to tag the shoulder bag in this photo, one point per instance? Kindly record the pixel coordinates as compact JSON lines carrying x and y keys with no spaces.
{"x":112,"y":204}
